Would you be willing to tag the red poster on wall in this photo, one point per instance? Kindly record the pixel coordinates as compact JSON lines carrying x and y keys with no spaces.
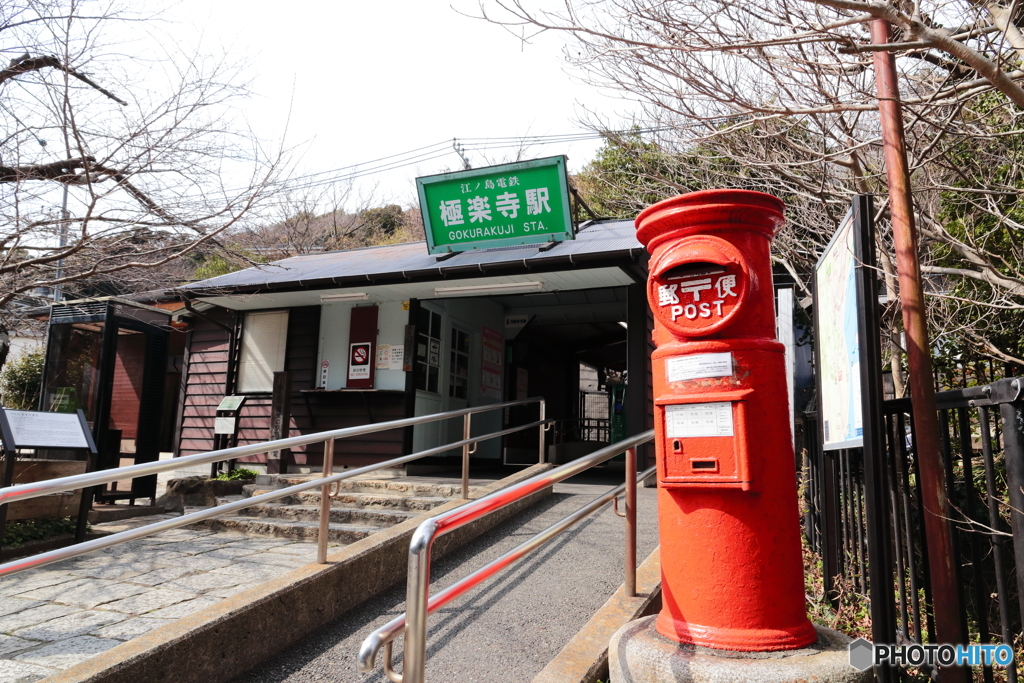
{"x":362,"y":339}
{"x":491,"y":362}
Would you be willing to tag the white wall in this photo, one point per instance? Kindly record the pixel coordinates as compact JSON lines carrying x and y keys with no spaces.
{"x":471,"y":314}
{"x":335,"y":319}
{"x":334,"y":328}
{"x":391,"y":322}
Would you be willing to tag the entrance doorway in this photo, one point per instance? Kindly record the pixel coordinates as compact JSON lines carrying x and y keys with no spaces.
{"x":109,"y":358}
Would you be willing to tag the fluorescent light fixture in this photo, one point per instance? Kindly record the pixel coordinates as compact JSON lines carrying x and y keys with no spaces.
{"x":351,"y":296}
{"x":509,"y":288}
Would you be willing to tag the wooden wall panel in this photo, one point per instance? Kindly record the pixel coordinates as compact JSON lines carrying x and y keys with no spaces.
{"x":204,"y":381}
{"x":204,"y":388}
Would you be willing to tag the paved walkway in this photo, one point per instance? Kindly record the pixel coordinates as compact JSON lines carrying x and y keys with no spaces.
{"x":59,"y":615}
{"x":508,"y":629}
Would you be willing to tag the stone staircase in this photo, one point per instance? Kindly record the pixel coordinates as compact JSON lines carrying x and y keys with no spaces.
{"x":359,"y":507}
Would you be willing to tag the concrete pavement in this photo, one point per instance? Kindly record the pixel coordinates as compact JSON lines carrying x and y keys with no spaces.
{"x":512,"y":626}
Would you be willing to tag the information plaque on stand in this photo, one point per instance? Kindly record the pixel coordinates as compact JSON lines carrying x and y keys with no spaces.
{"x":22,"y":429}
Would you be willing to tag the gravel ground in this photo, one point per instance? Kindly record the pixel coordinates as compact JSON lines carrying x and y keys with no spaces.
{"x":512,"y":626}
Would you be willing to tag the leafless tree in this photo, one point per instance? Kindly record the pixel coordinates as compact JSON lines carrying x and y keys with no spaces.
{"x":320,"y":218}
{"x":779,"y":95}
{"x":118,"y":154}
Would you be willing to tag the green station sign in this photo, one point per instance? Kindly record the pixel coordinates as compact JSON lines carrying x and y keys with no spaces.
{"x":497,"y":206}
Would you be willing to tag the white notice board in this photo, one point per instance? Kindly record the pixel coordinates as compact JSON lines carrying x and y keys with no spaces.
{"x":835,"y":279}
{"x":36,"y":429}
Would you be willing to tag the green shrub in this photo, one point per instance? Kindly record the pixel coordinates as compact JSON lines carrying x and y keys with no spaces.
{"x":235,"y":475}
{"x":21,"y":381}
{"x":25,"y":530}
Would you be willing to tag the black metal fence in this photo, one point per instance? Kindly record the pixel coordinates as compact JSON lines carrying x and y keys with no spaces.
{"x":982,"y":453}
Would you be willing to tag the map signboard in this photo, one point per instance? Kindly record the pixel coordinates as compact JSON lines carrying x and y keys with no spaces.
{"x":835,"y":279}
{"x":522,"y":203}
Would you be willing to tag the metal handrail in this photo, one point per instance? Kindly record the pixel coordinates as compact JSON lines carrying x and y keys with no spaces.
{"x":418,"y":606}
{"x":12,"y":494}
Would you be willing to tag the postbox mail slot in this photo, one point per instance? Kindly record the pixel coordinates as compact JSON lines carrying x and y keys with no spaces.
{"x":705,"y":445}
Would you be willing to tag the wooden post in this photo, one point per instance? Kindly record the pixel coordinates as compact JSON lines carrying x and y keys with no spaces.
{"x":280,"y":417}
{"x":8,"y":478}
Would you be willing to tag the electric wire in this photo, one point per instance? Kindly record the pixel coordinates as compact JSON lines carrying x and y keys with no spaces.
{"x":436,"y":151}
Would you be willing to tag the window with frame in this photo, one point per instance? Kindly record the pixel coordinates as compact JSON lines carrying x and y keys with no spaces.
{"x":264,"y":339}
{"x":428,"y":350}
{"x":458,"y":369}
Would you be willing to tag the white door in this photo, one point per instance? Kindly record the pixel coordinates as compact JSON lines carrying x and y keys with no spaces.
{"x":430,"y":380}
{"x":457,"y":371}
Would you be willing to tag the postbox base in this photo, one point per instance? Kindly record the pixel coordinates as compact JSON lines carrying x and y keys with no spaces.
{"x":639,"y":654}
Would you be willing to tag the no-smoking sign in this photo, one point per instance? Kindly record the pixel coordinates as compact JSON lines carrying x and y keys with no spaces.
{"x":359,"y":360}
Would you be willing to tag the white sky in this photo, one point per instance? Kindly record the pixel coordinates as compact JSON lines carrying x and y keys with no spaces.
{"x":365,"y":80}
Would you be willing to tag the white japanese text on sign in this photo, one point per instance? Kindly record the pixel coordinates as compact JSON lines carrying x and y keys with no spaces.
{"x":698,"y":297}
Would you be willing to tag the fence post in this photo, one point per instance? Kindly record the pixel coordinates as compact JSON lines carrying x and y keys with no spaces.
{"x":465,"y":456}
{"x":541,"y":429}
{"x":280,"y":417}
{"x":325,"y":504}
{"x":1013,"y":444}
{"x":630,"y":523}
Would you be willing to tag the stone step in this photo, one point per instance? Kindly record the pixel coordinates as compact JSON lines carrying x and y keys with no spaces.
{"x":392,"y":486}
{"x":338,"y":515}
{"x":373,"y":501}
{"x":352,"y":499}
{"x":288,"y":528}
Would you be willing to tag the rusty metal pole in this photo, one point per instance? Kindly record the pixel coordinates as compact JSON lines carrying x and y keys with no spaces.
{"x":941,"y":560}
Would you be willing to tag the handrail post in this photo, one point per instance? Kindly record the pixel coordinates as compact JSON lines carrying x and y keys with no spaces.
{"x":465,"y":456}
{"x":630,"y":583}
{"x":325,"y":504}
{"x":541,"y":429}
{"x":416,"y":601}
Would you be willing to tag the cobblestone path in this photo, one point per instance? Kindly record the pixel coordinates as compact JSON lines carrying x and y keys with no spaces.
{"x":57,"y":616}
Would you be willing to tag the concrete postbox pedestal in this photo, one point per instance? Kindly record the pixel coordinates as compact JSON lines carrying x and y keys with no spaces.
{"x":732,"y":574}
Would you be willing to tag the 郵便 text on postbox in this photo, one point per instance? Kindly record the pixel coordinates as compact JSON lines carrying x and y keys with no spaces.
{"x":732,"y":575}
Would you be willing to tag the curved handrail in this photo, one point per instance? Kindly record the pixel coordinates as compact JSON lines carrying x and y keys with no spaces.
{"x":418,"y":606}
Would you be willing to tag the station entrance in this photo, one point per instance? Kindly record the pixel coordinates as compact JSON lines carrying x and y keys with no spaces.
{"x":569,"y":346}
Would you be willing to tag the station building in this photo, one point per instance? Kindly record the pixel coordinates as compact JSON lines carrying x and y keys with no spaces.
{"x":381,"y":333}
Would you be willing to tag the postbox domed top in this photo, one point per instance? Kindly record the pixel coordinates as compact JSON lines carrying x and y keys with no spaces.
{"x":716,"y":209}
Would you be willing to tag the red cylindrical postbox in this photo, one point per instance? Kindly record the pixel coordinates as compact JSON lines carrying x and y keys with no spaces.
{"x":732,"y":576}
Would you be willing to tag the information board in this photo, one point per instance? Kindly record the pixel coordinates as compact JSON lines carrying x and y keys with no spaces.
{"x":522,"y":203}
{"x":36,"y":429}
{"x":835,"y":280}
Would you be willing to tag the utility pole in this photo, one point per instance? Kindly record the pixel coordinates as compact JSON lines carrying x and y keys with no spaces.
{"x":941,"y":557}
{"x":58,"y":291}
{"x":461,"y":151}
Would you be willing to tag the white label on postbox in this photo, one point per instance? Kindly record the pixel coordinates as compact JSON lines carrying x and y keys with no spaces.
{"x":699,"y":366}
{"x":698,"y":419}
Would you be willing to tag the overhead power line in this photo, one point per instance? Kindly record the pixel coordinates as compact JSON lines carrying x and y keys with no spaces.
{"x":445,"y":148}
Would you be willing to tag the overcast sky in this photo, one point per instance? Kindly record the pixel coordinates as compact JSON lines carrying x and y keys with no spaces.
{"x":356,"y":81}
